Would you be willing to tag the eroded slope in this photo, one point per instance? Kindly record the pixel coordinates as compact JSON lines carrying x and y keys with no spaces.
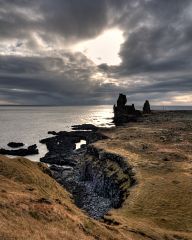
{"x":160,"y":151}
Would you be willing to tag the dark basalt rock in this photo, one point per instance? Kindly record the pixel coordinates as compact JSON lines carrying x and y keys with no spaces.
{"x":146,"y":107}
{"x":123,"y":164}
{"x":15,"y":144}
{"x":85,"y":172}
{"x":61,"y":147}
{"x":52,"y":132}
{"x":31,"y":150}
{"x":60,"y":169}
{"x":59,"y":159}
{"x":121,"y":101}
{"x":86,"y":127}
{"x":124,"y":113}
{"x":94,"y":187}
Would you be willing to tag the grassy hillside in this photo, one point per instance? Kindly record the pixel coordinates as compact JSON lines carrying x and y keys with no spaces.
{"x":34,"y":206}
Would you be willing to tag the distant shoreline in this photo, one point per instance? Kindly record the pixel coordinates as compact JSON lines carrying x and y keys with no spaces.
{"x":153,"y":107}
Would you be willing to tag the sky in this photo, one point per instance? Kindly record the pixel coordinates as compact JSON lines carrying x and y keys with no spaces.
{"x":83,"y":52}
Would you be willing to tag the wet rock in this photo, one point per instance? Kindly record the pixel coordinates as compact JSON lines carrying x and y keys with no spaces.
{"x":86,"y":127}
{"x":52,"y":132}
{"x":62,"y":147}
{"x":31,"y":150}
{"x":85,"y":173}
{"x":15,"y":144}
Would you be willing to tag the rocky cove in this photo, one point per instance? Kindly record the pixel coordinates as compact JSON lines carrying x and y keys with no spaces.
{"x":98,"y":180}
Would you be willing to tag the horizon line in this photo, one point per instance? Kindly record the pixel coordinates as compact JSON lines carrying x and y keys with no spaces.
{"x":50,"y":105}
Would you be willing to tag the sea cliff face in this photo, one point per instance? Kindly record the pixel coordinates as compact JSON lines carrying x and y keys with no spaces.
{"x":99,"y":182}
{"x":97,"y":179}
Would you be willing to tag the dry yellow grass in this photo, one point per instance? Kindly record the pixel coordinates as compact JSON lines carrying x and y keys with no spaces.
{"x":160,"y":151}
{"x":24,"y":215}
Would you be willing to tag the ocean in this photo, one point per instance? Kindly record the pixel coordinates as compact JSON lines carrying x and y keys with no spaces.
{"x":31,"y":124}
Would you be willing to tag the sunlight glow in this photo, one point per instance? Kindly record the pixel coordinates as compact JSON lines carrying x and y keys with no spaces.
{"x":185,"y":99}
{"x":103,"y":49}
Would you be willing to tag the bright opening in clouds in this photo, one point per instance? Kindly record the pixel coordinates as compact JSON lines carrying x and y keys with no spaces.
{"x":103,"y":49}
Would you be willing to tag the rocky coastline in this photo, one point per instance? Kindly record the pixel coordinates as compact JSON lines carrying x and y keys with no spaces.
{"x":98,"y":180}
{"x":153,"y":155}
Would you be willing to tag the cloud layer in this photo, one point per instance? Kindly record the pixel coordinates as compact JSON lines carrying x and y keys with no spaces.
{"x":38,"y":64}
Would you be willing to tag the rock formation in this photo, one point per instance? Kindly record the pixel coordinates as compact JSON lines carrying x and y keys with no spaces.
{"x":124,"y":113}
{"x":85,"y":173}
{"x":15,"y":144}
{"x":121,"y":101}
{"x":146,"y":107}
{"x":31,"y":150}
{"x":61,"y":146}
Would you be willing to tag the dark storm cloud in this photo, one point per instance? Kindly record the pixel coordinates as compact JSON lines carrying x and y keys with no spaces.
{"x":156,"y":53}
{"x":73,"y":18}
{"x":159,"y":40}
{"x":70,"y":19}
{"x":58,"y":79}
{"x":158,"y":47}
{"x":49,"y":80}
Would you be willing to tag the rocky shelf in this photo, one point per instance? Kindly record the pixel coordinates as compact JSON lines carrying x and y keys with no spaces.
{"x":98,"y":180}
{"x":15,"y":144}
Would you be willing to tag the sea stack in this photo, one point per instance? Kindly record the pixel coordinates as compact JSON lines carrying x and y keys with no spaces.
{"x":146,"y":107}
{"x":121,"y":101}
{"x":124,"y":113}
